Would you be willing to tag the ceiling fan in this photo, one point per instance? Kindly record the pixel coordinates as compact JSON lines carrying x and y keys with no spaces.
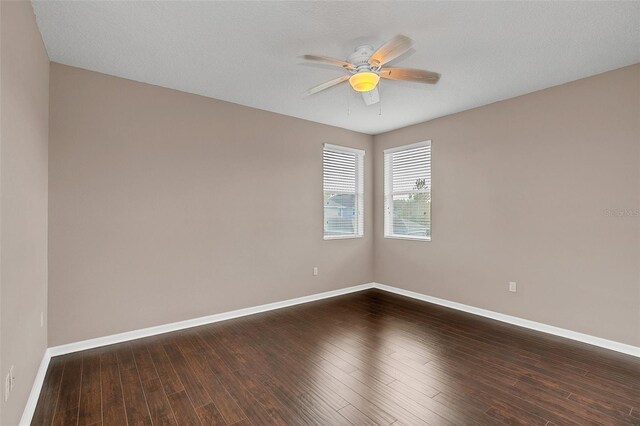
{"x":365,"y":67}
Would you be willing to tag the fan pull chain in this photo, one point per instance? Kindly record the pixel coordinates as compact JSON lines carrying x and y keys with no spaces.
{"x":380,"y":102}
{"x":348,"y":104}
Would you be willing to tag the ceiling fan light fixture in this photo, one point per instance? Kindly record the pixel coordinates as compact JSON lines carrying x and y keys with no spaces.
{"x":365,"y":68}
{"x":364,"y":81}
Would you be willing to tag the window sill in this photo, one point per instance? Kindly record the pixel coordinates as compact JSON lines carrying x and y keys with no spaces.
{"x":404,"y":237}
{"x":341,"y":237}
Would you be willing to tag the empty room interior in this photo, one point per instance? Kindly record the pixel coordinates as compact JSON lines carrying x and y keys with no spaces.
{"x":319,"y":213}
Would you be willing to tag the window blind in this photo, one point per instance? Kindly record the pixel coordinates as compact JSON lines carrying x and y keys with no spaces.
{"x":343,"y":190}
{"x":407,"y":191}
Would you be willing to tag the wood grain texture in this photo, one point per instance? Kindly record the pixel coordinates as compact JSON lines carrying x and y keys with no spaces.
{"x":365,"y":358}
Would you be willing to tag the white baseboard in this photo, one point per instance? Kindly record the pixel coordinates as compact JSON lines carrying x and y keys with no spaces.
{"x":180,"y":325}
{"x":165,"y":328}
{"x":32,"y":401}
{"x":151,"y":331}
{"x":533,"y":325}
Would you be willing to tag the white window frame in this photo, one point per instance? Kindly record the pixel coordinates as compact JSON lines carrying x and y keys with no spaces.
{"x":388,"y":193}
{"x":359,"y":205}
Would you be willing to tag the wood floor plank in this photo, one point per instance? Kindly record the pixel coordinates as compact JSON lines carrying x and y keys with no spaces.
{"x":364,"y":358}
{"x":124,"y":355}
{"x":113,"y":411}
{"x":328,"y":374}
{"x":255,"y":411}
{"x":168,"y":376}
{"x":309,"y":406}
{"x":291,"y":372}
{"x":564,"y":407}
{"x":512,"y":415}
{"x":66,"y":417}
{"x":183,"y":410}
{"x":135,"y":402}
{"x":356,"y":417}
{"x":209,"y":415}
{"x":196,"y":351}
{"x":470,"y":408}
{"x":224,"y":402}
{"x":49,"y":393}
{"x":69,"y":396}
{"x":193,"y":388}
{"x":267,"y":400}
{"x":144,"y":362}
{"x":90,"y":411}
{"x":158,"y":403}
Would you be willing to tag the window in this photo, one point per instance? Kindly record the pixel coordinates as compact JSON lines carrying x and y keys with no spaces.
{"x":343,"y":187}
{"x":407,"y":192}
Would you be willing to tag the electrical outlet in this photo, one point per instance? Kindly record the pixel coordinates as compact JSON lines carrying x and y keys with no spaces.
{"x":513,"y":287}
{"x":315,"y":271}
{"x":13,"y":378}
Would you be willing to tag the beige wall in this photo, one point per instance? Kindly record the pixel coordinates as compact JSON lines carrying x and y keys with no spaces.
{"x":23,"y":186}
{"x":520,"y":189}
{"x":166,"y":206}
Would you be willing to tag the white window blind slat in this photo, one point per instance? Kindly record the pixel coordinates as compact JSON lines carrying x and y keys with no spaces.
{"x":407,"y":192}
{"x":343,"y":191}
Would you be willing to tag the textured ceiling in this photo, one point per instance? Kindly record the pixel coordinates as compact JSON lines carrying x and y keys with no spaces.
{"x":247,"y":52}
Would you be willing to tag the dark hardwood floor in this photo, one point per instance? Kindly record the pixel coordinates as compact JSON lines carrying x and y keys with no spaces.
{"x":364,"y":358}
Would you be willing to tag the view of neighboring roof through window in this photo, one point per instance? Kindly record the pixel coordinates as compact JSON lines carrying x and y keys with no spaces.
{"x":343,"y":192}
{"x":407,"y":192}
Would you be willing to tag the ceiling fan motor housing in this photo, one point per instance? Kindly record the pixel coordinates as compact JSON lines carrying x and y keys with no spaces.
{"x":360,"y":58}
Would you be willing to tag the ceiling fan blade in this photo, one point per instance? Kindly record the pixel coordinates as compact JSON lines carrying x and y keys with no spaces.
{"x":328,"y":60}
{"x":409,"y":74}
{"x":326,"y":85}
{"x":371,"y":97}
{"x":390,"y":50}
